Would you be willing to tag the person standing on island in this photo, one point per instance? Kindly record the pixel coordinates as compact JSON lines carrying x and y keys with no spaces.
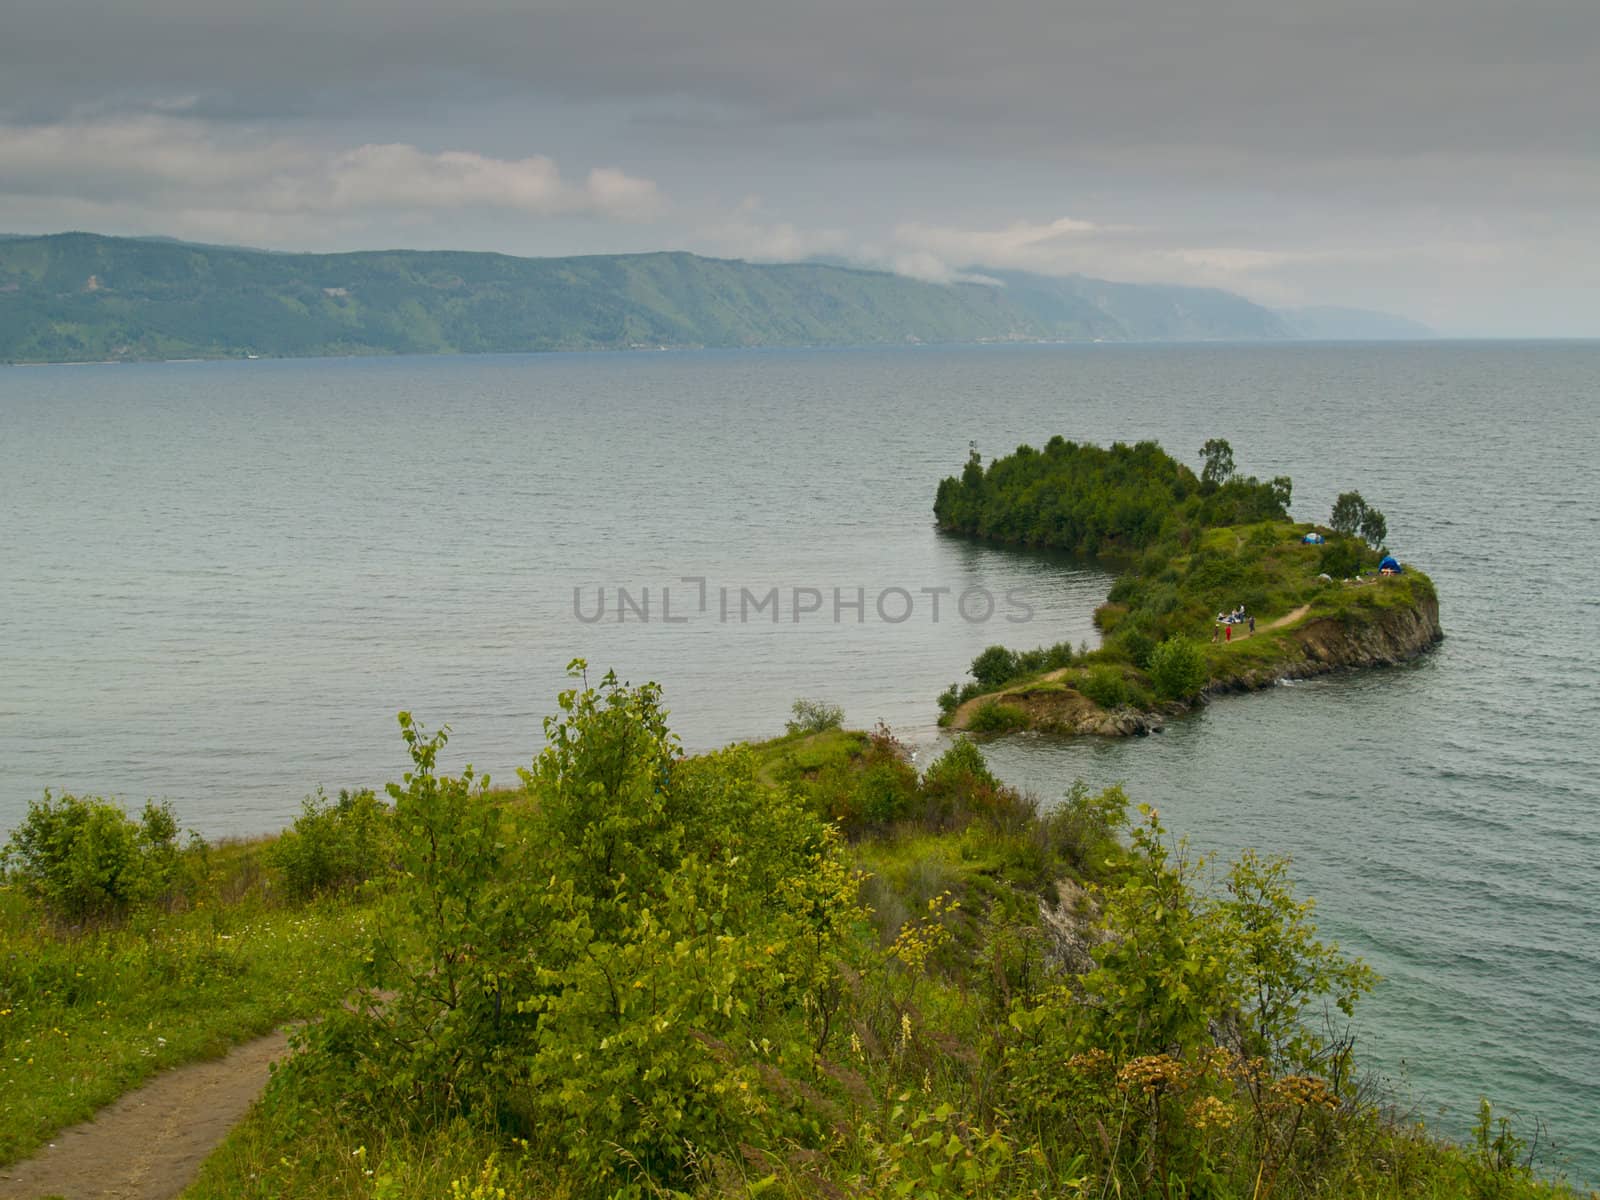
{"x":1252,"y":624}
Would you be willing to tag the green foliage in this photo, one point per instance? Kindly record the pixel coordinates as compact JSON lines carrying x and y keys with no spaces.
{"x":961,"y":766}
{"x":1134,"y":644}
{"x":1218,"y":457}
{"x":815,"y":716}
{"x":1342,"y":558}
{"x":994,"y":666}
{"x":1348,"y":511}
{"x":1498,"y":1167}
{"x":1093,"y":500}
{"x":996,"y":716}
{"x":1374,"y":528}
{"x":334,"y":844}
{"x":1163,"y":976}
{"x":724,"y":1017}
{"x":1353,"y":516}
{"x":1086,"y":826}
{"x":1278,"y":967}
{"x":1106,"y":686}
{"x":1282,"y":490}
{"x":603,"y":786}
{"x":1178,"y":668}
{"x":86,"y":860}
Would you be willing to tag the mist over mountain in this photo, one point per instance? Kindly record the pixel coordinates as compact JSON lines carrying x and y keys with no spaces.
{"x":1329,"y":323}
{"x":84,"y":297}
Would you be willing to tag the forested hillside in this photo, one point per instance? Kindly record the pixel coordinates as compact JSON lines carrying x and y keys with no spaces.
{"x":82,"y":297}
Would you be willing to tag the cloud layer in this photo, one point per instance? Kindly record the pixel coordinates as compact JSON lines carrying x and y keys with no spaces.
{"x":210,"y":178}
{"x":1435,"y":155}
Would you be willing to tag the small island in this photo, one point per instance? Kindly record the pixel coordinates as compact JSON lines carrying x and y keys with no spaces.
{"x":1220,"y":589}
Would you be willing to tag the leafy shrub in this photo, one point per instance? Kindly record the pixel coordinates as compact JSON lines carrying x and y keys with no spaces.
{"x":334,"y":845}
{"x":958,"y":788}
{"x":995,"y":716}
{"x":1043,"y":658}
{"x":1341,"y":558}
{"x":950,"y":699}
{"x":1106,"y":686}
{"x":994,"y":666}
{"x":815,"y":716}
{"x":1178,"y":668}
{"x":1135,"y":645}
{"x":876,"y":789}
{"x":85,"y":859}
{"x":1083,"y":827}
{"x":961,"y":766}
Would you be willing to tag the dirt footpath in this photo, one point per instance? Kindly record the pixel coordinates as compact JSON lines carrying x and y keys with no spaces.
{"x":149,"y":1144}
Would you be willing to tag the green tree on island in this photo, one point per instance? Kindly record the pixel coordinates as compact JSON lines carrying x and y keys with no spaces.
{"x":1353,"y":516}
{"x":1218,"y":456}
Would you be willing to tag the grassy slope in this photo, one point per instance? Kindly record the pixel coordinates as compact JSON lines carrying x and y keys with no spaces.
{"x":996,"y":873}
{"x":85,"y":1017}
{"x":235,"y":964}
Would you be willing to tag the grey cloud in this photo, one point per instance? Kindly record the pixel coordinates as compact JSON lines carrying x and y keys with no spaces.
{"x":1014,"y":75}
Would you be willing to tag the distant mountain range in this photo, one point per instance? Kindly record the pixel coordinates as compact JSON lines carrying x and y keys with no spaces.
{"x":77,"y":297}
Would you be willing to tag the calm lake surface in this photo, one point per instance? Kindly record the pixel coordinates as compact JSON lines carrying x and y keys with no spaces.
{"x":219,"y":582}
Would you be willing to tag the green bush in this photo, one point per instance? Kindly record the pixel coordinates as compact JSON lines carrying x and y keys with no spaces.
{"x":1178,"y":668}
{"x":1106,"y":686}
{"x":961,"y":766}
{"x":994,"y":666}
{"x":1342,"y":558}
{"x":1135,"y":645}
{"x":997,"y":717}
{"x":815,"y":716}
{"x":85,"y":859}
{"x":334,"y":845}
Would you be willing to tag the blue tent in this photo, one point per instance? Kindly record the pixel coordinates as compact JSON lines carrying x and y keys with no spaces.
{"x":1389,"y":564}
{"x":1313,"y":538}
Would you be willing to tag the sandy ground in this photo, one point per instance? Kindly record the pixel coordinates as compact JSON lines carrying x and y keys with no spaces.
{"x":149,"y":1144}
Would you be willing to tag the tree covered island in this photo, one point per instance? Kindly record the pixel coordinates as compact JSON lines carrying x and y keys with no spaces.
{"x":1306,"y":598}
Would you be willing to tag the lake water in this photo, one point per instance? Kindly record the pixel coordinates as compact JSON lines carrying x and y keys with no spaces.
{"x":219,"y":582}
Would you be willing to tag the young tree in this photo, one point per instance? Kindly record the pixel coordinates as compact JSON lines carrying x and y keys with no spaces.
{"x":815,"y":716}
{"x":1282,"y":488}
{"x":1374,"y":528}
{"x":1348,"y":511}
{"x":1218,"y":456}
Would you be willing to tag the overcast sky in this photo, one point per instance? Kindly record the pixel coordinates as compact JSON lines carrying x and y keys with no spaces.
{"x":1437,"y":158}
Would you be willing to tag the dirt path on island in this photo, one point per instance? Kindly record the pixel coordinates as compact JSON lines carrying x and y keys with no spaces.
{"x":963,"y":712}
{"x":149,"y":1144}
{"x":1288,"y":618}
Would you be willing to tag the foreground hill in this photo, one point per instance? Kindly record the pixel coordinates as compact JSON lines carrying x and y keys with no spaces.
{"x":77,"y":296}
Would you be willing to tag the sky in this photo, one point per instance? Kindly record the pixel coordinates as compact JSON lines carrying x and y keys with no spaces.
{"x":1434,"y":158}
